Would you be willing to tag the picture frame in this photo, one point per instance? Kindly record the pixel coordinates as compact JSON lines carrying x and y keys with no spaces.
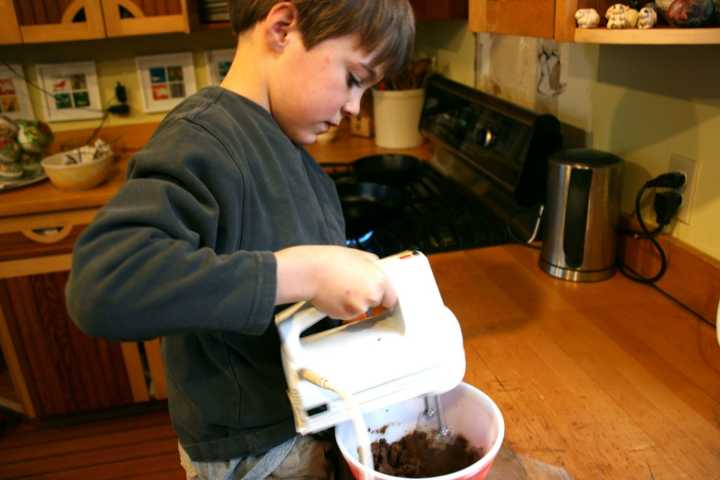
{"x":71,"y":91}
{"x":14,"y":96}
{"x":218,"y":64}
{"x":165,"y":80}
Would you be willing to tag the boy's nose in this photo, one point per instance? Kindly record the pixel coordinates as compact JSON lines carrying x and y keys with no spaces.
{"x":352,"y":106}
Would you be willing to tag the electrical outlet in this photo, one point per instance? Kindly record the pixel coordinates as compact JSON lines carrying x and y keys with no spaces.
{"x":691,"y":169}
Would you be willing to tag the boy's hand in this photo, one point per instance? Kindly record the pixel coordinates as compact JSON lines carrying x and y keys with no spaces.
{"x":339,"y":281}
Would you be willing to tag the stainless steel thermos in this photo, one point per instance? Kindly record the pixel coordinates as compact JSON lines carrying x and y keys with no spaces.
{"x":581,"y":215}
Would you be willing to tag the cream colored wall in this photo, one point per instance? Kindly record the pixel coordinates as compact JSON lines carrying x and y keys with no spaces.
{"x":115,"y":61}
{"x":452,"y":45}
{"x":651,"y":102}
{"x":642,"y":103}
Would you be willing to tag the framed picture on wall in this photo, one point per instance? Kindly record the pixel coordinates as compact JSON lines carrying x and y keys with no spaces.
{"x":71,"y":91}
{"x":166,"y":80}
{"x":14,"y":97}
{"x":218,"y":64}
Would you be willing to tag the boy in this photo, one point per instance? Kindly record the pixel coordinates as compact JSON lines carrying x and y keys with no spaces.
{"x":225,"y":218}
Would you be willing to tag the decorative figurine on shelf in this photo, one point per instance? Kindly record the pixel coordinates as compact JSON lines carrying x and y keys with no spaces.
{"x":690,"y":13}
{"x":662,"y":6}
{"x":621,"y":16}
{"x":22,"y":144}
{"x":10,"y":158}
{"x":647,"y":17}
{"x":587,"y":18}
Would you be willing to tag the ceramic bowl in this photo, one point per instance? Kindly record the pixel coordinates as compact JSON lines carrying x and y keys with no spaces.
{"x":77,"y":176}
{"x":468,"y":412}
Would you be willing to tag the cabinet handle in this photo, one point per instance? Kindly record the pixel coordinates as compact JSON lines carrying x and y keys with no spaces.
{"x":48,"y":234}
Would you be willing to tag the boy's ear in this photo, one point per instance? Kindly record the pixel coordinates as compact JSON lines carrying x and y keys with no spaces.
{"x":280,"y":21}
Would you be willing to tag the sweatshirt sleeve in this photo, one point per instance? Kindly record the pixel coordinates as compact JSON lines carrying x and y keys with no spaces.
{"x":147,"y":265}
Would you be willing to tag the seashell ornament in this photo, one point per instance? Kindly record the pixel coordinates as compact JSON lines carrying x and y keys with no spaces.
{"x":690,"y":13}
{"x":647,"y":17}
{"x":621,"y":16}
{"x":587,"y":18}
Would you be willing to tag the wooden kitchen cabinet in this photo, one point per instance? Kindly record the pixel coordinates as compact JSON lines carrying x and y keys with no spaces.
{"x":141,"y":17}
{"x":49,"y":367}
{"x":556,"y":19}
{"x":58,"y":20}
{"x":528,"y":18}
{"x":9,"y":28}
{"x":41,"y":21}
{"x":433,"y":10}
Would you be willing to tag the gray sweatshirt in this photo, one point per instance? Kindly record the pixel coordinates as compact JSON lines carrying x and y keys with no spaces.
{"x":184,"y":252}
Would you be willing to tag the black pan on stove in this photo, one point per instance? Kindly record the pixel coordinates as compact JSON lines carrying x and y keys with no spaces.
{"x":367,"y":204}
{"x":388,"y":169}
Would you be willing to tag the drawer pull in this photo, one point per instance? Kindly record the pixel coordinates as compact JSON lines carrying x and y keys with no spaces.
{"x":48,"y":234}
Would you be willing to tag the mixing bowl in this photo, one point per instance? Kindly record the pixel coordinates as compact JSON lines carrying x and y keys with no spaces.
{"x":467,"y":411}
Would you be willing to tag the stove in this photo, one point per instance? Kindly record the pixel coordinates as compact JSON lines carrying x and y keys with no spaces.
{"x":485,"y":184}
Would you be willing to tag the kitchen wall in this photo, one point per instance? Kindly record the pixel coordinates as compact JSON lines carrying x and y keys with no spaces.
{"x":453,"y":47}
{"x":449,"y":42}
{"x":642,"y":103}
{"x":115,"y":61}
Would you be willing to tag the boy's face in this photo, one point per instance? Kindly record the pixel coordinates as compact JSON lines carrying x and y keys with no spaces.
{"x":310,"y":90}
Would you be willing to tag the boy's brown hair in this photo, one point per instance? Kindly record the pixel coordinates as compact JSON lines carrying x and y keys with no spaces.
{"x":385,"y":26}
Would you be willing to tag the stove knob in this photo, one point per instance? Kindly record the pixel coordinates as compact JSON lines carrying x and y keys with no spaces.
{"x":484,"y":137}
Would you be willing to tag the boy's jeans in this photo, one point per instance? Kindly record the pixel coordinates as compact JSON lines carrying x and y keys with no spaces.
{"x":300,"y":457}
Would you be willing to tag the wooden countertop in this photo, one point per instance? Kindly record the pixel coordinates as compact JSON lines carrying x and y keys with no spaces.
{"x":608,"y":380}
{"x":43,"y":197}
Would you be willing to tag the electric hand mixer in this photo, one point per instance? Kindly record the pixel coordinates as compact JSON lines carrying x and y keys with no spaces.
{"x":415,"y":349}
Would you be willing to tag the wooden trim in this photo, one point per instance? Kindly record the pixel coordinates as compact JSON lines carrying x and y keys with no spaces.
{"x":565,"y":20}
{"x":146,"y":25}
{"x":130,"y":6}
{"x":92,"y":28}
{"x":48,"y":238}
{"x":157,"y":368}
{"x":654,"y":36}
{"x":72,"y":10}
{"x":35,"y":266}
{"x":477,"y":16}
{"x":692,"y":277}
{"x":48,"y":220}
{"x":9,"y":28}
{"x":135,"y":371}
{"x":11,"y":405}
{"x":13,"y":364}
{"x":143,"y":25}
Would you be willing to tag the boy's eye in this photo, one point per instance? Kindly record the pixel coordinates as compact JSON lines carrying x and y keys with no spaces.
{"x":353,"y":81}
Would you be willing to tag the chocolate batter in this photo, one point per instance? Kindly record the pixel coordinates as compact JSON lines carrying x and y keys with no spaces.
{"x":424,"y":454}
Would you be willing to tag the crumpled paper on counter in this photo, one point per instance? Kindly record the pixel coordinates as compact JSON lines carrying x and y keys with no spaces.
{"x":509,"y":465}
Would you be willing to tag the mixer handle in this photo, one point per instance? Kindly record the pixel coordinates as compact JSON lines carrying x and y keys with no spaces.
{"x":303,"y":316}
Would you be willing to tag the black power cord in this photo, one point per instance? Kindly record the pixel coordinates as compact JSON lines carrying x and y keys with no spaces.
{"x":666,"y":205}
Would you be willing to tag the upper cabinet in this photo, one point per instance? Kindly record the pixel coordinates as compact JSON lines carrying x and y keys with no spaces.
{"x":9,"y":28}
{"x":54,"y":20}
{"x":556,"y":19}
{"x":140,"y":17}
{"x":433,"y":10}
{"x":39,"y":21}
{"x":529,"y":18}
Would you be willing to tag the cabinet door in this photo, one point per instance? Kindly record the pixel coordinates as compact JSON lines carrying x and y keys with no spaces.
{"x":434,"y":10}
{"x":141,"y":17}
{"x":528,"y":18}
{"x":64,"y":369}
{"x":9,"y":28}
{"x":59,"y":20}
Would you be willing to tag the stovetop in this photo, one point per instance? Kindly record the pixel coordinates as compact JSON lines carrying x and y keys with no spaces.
{"x":485,"y":184}
{"x":436,"y":216}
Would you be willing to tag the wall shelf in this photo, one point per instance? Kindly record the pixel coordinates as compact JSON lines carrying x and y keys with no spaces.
{"x":654,"y":36}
